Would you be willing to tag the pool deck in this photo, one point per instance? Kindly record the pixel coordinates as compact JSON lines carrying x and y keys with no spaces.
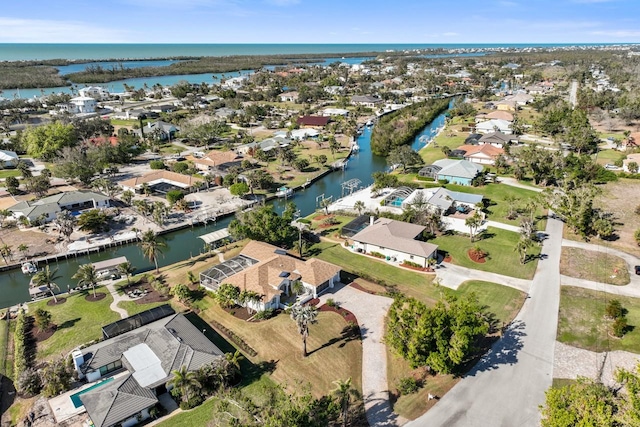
{"x":365,"y":195}
{"x":63,"y":408}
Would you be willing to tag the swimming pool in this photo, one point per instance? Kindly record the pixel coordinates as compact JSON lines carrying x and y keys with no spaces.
{"x":397,"y":202}
{"x":75,"y":398}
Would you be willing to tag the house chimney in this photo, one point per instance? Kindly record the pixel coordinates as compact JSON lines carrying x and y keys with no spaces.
{"x":372,"y":219}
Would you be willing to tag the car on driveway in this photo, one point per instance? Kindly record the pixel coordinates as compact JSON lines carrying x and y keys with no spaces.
{"x":638,"y":269}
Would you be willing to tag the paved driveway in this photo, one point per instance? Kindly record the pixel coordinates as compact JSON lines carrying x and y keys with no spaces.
{"x":370,"y":310}
{"x":507,"y":385}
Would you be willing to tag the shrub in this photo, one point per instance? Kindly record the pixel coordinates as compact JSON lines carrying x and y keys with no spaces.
{"x":29,"y":383}
{"x":637,"y":210}
{"x":156,"y":164}
{"x":411,"y":264}
{"x":408,"y":385}
{"x":614,"y":309}
{"x":620,"y":327}
{"x":636,"y":236}
{"x":332,"y":303}
{"x":264,"y":314}
{"x":173,"y":196}
{"x":377,"y":254}
{"x":22,"y":345}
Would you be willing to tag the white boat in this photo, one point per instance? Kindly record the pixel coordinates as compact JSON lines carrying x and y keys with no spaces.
{"x":284,"y":192}
{"x":29,"y":268}
{"x":355,"y":148}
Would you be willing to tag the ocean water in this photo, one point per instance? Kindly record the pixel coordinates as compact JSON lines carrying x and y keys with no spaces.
{"x":41,"y":51}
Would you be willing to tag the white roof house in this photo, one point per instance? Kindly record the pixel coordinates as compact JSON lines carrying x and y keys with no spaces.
{"x":95,"y":92}
{"x":84,"y":104}
{"x":494,"y":125}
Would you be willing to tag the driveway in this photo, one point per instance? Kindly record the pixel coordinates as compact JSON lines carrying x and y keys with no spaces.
{"x":452,"y":277}
{"x":508,"y":383}
{"x":370,"y":310}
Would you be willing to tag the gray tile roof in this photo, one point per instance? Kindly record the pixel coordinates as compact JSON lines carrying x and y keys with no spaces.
{"x":396,"y":235}
{"x":115,"y":402}
{"x":55,"y":203}
{"x":174,"y":340}
{"x":458,"y":168}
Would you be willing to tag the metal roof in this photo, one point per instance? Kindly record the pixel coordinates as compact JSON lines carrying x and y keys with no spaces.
{"x":215,"y":236}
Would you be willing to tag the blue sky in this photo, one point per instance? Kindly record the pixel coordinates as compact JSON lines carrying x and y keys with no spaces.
{"x":320,"y":21}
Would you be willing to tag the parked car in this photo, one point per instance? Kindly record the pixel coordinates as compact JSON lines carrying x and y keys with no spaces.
{"x":638,"y":270}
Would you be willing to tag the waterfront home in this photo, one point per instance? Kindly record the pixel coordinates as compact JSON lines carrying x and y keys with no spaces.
{"x":445,"y":200}
{"x":265,"y":145}
{"x":396,"y":241}
{"x":494,"y":125}
{"x":484,"y":154}
{"x":47,"y":208}
{"x":499,"y":115}
{"x":158,"y":129}
{"x":461,"y":172}
{"x":161,"y":181}
{"x":84,"y":104}
{"x":136,"y":366}
{"x":272,"y":273}
{"x":95,"y":92}
{"x":366,"y":101}
{"x":218,"y":160}
{"x":8,"y":159}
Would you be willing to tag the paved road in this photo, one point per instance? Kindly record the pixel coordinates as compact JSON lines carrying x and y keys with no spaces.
{"x":507,"y":385}
{"x":573,"y":94}
{"x":370,"y":310}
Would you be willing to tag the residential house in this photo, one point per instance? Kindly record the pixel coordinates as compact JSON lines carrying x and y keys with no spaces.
{"x":289,"y":97}
{"x":315,"y":122}
{"x":218,"y":160}
{"x":460,"y":172}
{"x":161,"y":181}
{"x":497,"y":139}
{"x":47,"y":208}
{"x":430,"y":171}
{"x":265,"y":145}
{"x":8,"y":159}
{"x":136,"y":367}
{"x":335,"y":112}
{"x":494,"y":125}
{"x":334,"y":90}
{"x":84,"y":104}
{"x":520,"y":99}
{"x":164,"y":108}
{"x":226,"y":112}
{"x":95,"y":92}
{"x":396,"y":240}
{"x":366,"y":101}
{"x":158,"y":129}
{"x":270,"y":272}
{"x":500,"y":115}
{"x":445,"y":200}
{"x":484,"y":154}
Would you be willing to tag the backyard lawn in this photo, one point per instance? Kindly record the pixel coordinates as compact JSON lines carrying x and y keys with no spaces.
{"x":595,"y":266}
{"x":332,"y":355}
{"x":9,"y":172}
{"x":581,"y":321}
{"x":499,"y":243}
{"x":78,"y":321}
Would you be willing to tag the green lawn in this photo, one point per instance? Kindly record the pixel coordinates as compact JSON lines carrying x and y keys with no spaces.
{"x":595,"y":266}
{"x":5,"y":173}
{"x":78,"y":321}
{"x":499,"y":244}
{"x":502,"y":301}
{"x":4,"y":342}
{"x":581,"y":321}
{"x":133,"y":307}
{"x":433,"y":151}
{"x":609,"y":156}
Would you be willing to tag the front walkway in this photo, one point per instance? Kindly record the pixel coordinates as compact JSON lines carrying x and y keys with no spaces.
{"x":370,"y":310}
{"x":116,"y":299}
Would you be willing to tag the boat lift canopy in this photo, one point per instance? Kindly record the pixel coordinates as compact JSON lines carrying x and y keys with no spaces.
{"x":215,"y":236}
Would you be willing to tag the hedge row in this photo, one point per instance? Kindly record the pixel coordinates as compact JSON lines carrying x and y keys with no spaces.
{"x":233,"y":337}
{"x":23,"y":354}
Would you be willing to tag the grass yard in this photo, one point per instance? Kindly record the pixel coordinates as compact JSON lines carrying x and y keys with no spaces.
{"x":609,"y":156}
{"x":581,"y":321}
{"x":499,"y":244}
{"x":502,"y":301}
{"x":78,"y":321}
{"x":6,"y":173}
{"x":447,"y":138}
{"x":4,"y":342}
{"x":595,"y":266}
{"x":331,"y":355}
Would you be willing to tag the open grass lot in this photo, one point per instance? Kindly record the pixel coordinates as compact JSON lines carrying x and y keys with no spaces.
{"x":595,"y":266}
{"x":617,"y":198}
{"x":331,"y":357}
{"x":609,"y":156}
{"x":78,"y":321}
{"x":502,"y":301}
{"x":447,"y":138}
{"x":581,"y":321}
{"x":499,"y":244}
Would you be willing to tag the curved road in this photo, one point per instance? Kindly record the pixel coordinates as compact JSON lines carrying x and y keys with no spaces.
{"x":507,"y":385}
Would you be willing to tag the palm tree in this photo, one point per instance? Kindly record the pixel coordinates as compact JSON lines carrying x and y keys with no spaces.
{"x":249,"y":299}
{"x":473,"y":222}
{"x":521,"y":247}
{"x":47,"y":278}
{"x":151,"y":246}
{"x":23,"y":248}
{"x":344,"y":392}
{"x":6,"y":252}
{"x":185,"y":381}
{"x":86,"y":275}
{"x":304,"y":316}
{"x":233,"y":361}
{"x":127,"y":269}
{"x":359,"y":206}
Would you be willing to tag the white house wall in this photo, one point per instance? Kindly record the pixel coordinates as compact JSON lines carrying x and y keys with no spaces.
{"x":400,"y":256}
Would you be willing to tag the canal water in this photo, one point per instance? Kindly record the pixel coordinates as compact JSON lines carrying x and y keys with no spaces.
{"x":183,"y":244}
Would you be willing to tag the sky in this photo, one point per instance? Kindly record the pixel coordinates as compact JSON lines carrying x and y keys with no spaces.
{"x":320,"y":21}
